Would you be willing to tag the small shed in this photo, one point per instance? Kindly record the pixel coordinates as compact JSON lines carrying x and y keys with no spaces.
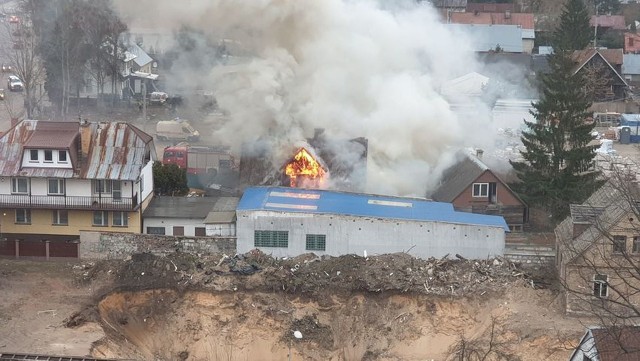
{"x":632,"y":121}
{"x":221,"y":220}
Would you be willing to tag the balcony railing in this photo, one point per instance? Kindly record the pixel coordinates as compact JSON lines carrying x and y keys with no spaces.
{"x":68,"y":202}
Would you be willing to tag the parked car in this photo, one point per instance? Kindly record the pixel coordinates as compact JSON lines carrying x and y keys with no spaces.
{"x":13,"y":19}
{"x":14,"y":83}
{"x":6,"y":68}
{"x":158,"y":98}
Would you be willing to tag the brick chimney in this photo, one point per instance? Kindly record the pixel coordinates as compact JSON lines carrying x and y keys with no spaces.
{"x":85,"y":137}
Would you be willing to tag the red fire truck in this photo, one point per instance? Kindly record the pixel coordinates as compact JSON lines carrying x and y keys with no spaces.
{"x":202,"y":163}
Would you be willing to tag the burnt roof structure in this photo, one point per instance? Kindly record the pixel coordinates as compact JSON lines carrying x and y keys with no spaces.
{"x":345,"y":160}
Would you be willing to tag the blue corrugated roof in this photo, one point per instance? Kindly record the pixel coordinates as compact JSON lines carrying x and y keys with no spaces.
{"x":355,"y":204}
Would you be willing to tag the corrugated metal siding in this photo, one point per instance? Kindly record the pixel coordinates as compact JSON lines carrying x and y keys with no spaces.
{"x":117,"y":152}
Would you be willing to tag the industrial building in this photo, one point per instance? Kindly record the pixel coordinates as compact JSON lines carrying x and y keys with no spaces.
{"x":287,"y":222}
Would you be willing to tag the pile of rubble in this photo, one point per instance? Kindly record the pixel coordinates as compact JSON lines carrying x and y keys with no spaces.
{"x":310,"y":274}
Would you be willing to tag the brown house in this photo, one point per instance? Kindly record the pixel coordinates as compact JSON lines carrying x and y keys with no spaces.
{"x":598,"y":252}
{"x":472,"y":187}
{"x":609,"y":344}
{"x":603,"y":68}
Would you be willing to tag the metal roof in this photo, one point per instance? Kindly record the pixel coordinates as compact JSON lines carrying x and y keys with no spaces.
{"x":13,"y":141}
{"x":53,"y":135}
{"x":296,"y":200}
{"x":223,"y":211}
{"x":117,"y":151}
{"x":631,"y":64}
{"x":616,"y":22}
{"x":488,"y":37}
{"x":180,"y":207}
{"x":140,"y":56}
{"x":524,"y":20}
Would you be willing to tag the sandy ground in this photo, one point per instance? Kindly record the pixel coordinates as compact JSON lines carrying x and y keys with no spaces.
{"x":174,"y":324}
{"x":35,"y":298}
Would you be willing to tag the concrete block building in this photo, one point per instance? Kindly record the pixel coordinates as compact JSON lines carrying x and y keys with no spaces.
{"x":286,"y":222}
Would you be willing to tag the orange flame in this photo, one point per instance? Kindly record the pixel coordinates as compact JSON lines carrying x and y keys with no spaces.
{"x":305,"y":167}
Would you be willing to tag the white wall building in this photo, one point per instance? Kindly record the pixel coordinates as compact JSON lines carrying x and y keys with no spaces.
{"x":286,"y":222}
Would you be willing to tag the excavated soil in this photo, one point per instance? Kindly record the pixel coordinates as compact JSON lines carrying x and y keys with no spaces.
{"x":391,"y":307}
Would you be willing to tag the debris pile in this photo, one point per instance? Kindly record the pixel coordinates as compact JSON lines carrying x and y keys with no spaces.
{"x":313,"y":275}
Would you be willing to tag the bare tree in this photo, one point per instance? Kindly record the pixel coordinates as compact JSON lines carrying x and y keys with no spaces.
{"x":25,"y":61}
{"x":488,"y":347}
{"x":598,"y":256}
{"x":598,"y":82}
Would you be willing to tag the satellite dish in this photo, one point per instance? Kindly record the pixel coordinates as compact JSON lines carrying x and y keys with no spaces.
{"x":297,"y":334}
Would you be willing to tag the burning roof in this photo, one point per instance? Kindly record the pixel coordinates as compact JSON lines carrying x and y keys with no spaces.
{"x":320,"y":162}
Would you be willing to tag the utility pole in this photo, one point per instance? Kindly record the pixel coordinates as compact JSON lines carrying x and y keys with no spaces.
{"x":144,"y":100}
{"x":595,"y":26}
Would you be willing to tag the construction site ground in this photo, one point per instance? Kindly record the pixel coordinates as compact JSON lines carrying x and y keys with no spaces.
{"x":181,"y":307}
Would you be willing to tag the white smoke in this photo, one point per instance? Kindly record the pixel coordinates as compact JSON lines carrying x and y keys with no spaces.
{"x":356,"y":68}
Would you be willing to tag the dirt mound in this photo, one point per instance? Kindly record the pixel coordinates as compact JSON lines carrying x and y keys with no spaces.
{"x":312,"y":275}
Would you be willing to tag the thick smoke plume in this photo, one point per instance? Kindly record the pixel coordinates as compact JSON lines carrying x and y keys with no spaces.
{"x":354,"y":67}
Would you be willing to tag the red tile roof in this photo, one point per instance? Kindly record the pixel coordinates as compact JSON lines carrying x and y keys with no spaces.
{"x":609,"y":21}
{"x":488,"y":8}
{"x":525,"y":20}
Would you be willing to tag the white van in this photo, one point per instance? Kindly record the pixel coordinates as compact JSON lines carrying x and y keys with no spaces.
{"x":176,"y":130}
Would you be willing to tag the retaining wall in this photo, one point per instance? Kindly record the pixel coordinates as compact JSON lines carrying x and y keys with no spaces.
{"x":111,"y":245}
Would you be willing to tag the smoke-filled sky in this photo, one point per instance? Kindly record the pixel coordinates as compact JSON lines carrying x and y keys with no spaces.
{"x":354,"y":67}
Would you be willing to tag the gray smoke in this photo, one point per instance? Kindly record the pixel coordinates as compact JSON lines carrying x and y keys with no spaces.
{"x":353,"y":67}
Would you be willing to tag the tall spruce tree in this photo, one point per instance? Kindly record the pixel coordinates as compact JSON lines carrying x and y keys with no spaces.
{"x":557,"y":168}
{"x":574,"y":32}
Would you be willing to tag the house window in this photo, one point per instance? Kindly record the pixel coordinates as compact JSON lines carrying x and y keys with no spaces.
{"x":23,"y":216}
{"x":48,"y":156}
{"x":33,"y":155}
{"x":636,"y":245}
{"x":19,"y":185}
{"x":619,"y":244}
{"x":62,"y":156}
{"x":178,"y":231}
{"x":56,"y":187}
{"x":120,"y":219}
{"x":100,"y":218}
{"x":316,"y":242}
{"x":60,"y":218}
{"x":102,"y":186}
{"x":200,"y":231}
{"x":271,"y":239}
{"x":480,"y":190}
{"x":155,"y":230}
{"x":600,"y":287}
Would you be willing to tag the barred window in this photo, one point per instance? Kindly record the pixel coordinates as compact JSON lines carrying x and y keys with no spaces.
{"x":600,"y":285}
{"x":316,"y":242}
{"x":271,"y":239}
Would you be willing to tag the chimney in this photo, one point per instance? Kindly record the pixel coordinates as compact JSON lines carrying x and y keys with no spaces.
{"x":507,"y":14}
{"x":85,"y":137}
{"x":479,"y":153}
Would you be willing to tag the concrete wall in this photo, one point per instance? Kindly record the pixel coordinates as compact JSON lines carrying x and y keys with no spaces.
{"x":106,"y":245}
{"x":221,"y":229}
{"x":354,"y":235}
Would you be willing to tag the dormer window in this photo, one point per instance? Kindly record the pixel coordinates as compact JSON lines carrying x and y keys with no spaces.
{"x":62,"y":156}
{"x":33,"y":155}
{"x":48,"y":156}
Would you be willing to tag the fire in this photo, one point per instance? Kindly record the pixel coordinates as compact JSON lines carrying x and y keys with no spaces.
{"x":304,"y":167}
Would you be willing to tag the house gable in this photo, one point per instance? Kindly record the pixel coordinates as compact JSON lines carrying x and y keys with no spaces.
{"x":590,"y":56}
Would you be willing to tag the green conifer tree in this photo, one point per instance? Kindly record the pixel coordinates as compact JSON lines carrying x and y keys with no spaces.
{"x":557,"y":168}
{"x":574,"y":32}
